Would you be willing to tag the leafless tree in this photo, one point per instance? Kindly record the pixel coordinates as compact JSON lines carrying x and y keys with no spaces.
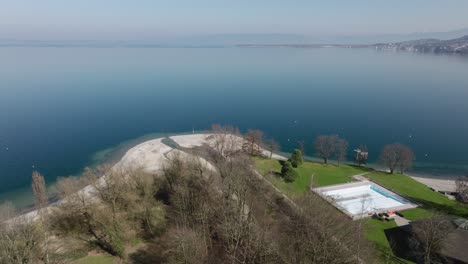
{"x":226,"y":140}
{"x":429,"y":236}
{"x":341,"y":149}
{"x":272,"y":146}
{"x":40,"y":201}
{"x":462,"y":189}
{"x":116,"y":205}
{"x":315,"y":234}
{"x":328,"y":146}
{"x":325,"y":145}
{"x":91,"y":214}
{"x":39,"y":190}
{"x":244,"y":240}
{"x":301,"y":144}
{"x":397,"y":156}
{"x":254,"y":140}
{"x":20,"y":239}
{"x":187,"y":247}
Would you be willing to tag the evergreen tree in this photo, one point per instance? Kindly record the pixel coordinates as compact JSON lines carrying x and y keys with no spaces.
{"x":288,"y":173}
{"x":286,"y":167}
{"x":290,"y":176}
{"x":296,"y":158}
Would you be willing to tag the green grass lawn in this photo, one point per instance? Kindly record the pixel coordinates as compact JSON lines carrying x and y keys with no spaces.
{"x":429,"y":200}
{"x":310,"y":172}
{"x":375,"y":233}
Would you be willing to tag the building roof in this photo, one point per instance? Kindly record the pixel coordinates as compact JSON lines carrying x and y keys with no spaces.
{"x":454,"y":250}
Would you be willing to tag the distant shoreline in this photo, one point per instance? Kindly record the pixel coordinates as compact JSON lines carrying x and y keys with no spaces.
{"x":23,"y":198}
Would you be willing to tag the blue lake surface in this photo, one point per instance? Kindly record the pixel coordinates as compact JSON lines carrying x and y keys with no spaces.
{"x":60,"y":106}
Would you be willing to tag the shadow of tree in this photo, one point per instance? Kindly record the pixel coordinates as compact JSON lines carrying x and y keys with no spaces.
{"x":150,"y":254}
{"x":388,"y":256}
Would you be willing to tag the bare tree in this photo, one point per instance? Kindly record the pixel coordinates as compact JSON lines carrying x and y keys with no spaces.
{"x":244,"y":241}
{"x":187,"y":247}
{"x":429,"y":236}
{"x":328,"y":146}
{"x":462,"y":189}
{"x":341,"y":149}
{"x":397,"y":156}
{"x":40,"y":201}
{"x":20,"y":240}
{"x":226,"y":140}
{"x":39,"y":190}
{"x":272,"y":146}
{"x":325,"y":145}
{"x":316,"y":234}
{"x":254,"y":140}
{"x":301,"y":144}
{"x":118,"y":204}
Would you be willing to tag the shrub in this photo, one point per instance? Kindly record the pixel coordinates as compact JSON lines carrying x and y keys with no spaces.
{"x":20,"y":240}
{"x":114,"y":243}
{"x":287,"y":166}
{"x":154,"y":220}
{"x":288,"y":173}
{"x":290,"y":176}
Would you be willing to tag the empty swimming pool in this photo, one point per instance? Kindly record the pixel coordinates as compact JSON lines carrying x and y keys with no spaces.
{"x":360,"y":199}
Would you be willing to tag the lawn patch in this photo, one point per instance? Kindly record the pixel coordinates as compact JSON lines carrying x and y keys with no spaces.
{"x":419,"y":193}
{"x":309,"y":172}
{"x":375,"y":233}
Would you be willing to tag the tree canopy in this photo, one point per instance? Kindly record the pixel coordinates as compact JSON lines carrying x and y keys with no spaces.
{"x":296,"y":158}
{"x":397,"y":156}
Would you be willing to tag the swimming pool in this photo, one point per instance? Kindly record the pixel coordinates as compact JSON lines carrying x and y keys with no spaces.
{"x":359,"y":199}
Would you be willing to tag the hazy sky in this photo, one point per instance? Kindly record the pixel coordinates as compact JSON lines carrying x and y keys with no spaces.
{"x":156,"y":18}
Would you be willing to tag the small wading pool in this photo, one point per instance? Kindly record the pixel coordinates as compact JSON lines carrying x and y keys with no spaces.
{"x":358,"y":200}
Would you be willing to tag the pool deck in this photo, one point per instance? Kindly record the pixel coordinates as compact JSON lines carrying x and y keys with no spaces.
{"x":322,"y":190}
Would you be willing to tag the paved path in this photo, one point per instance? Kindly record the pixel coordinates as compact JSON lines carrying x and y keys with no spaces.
{"x":400,"y":221}
{"x":360,"y":177}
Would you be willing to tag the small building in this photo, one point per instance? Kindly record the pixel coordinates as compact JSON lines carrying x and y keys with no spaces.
{"x":406,"y":241}
{"x":361,"y":156}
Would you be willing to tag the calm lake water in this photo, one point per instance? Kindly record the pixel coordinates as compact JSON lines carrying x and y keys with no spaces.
{"x":60,"y":106}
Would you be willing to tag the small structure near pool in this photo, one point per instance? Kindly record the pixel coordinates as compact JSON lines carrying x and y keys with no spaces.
{"x":363,"y":199}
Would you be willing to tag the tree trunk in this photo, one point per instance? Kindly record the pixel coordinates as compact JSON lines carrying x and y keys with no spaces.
{"x":325,"y":160}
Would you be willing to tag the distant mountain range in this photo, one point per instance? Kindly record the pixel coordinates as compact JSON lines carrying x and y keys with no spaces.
{"x":436,"y":46}
{"x":219,"y":40}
